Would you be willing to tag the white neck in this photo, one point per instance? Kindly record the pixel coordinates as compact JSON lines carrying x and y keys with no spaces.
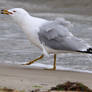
{"x":30,"y":25}
{"x":27,"y":21}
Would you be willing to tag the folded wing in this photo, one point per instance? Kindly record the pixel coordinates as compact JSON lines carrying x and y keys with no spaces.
{"x":58,"y":37}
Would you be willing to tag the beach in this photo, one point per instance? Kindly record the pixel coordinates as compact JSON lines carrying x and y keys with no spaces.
{"x":16,"y":49}
{"x":21,"y":77}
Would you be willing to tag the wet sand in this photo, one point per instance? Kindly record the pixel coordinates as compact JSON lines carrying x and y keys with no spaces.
{"x":24,"y":78}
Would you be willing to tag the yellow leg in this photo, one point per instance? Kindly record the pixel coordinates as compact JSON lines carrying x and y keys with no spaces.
{"x":30,"y":62}
{"x":54,"y":65}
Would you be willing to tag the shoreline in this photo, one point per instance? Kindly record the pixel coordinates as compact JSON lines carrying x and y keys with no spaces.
{"x":23,"y":78}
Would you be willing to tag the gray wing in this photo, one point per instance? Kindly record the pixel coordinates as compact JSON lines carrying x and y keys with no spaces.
{"x":63,"y":22}
{"x":58,"y":37}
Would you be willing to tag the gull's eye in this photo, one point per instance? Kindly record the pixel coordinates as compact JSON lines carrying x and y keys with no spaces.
{"x":14,"y":11}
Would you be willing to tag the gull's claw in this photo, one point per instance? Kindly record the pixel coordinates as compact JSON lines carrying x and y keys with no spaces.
{"x":53,"y":69}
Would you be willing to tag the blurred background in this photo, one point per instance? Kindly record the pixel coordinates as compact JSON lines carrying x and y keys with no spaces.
{"x":55,"y":6}
{"x":15,"y":47}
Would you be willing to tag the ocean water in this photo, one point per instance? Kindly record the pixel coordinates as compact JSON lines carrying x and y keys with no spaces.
{"x":15,"y":48}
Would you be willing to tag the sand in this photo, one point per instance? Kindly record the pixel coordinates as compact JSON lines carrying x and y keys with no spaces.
{"x":24,"y":78}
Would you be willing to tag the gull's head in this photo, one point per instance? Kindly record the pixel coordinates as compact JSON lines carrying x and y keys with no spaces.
{"x":18,"y":14}
{"x":14,"y":11}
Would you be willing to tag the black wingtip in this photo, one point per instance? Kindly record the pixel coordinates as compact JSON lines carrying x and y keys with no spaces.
{"x":88,"y":51}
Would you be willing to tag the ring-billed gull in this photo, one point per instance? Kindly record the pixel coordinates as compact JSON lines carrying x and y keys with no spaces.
{"x":51,"y":37}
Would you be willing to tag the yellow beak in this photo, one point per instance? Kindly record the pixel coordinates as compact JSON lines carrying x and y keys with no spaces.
{"x":4,"y":11}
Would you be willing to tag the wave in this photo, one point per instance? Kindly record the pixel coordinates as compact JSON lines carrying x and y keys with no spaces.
{"x":45,"y":66}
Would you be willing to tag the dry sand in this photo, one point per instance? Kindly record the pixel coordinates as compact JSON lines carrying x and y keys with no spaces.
{"x":24,"y":78}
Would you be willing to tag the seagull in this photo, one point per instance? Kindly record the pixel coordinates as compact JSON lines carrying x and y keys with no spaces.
{"x":51,"y":36}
